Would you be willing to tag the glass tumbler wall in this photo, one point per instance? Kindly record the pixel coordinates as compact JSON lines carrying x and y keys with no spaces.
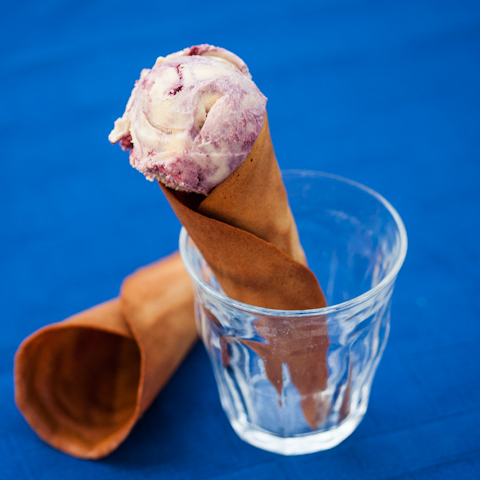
{"x":296,"y":382}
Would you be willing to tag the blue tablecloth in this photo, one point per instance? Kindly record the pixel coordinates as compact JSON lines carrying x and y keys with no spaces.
{"x":383,"y":92}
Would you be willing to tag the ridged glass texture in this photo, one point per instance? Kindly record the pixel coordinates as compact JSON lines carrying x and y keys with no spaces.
{"x":295,"y":382}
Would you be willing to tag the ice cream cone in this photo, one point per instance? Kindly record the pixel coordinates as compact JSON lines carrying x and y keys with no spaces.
{"x":83,"y":383}
{"x":196,"y":122}
{"x":246,"y":232}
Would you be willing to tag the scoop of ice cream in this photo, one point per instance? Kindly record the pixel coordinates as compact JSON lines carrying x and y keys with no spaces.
{"x":192,"y":119}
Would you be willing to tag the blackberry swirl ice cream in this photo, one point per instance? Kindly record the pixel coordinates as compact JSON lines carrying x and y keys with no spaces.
{"x":192,"y":119}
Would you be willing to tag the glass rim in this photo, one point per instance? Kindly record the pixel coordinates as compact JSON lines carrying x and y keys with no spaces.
{"x":389,"y":278}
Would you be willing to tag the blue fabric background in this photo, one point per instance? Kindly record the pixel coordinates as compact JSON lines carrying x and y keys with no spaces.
{"x":383,"y":92}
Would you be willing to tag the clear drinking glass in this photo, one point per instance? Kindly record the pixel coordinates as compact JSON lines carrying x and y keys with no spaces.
{"x":355,"y":243}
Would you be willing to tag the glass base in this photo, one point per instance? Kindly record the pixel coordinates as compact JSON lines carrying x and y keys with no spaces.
{"x":302,"y":444}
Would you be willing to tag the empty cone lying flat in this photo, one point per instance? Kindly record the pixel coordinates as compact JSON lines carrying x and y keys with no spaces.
{"x":83,"y":383}
{"x":246,"y":232}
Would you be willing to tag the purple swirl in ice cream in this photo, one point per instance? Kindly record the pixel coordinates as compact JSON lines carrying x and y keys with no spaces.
{"x":192,"y":119}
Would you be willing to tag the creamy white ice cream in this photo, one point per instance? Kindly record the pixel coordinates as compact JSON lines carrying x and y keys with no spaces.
{"x":192,"y":119}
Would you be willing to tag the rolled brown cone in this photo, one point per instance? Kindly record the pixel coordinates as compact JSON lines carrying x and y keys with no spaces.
{"x":247,"y":234}
{"x":82,"y":384}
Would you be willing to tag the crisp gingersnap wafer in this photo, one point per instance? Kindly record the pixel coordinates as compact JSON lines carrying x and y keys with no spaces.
{"x":83,"y":383}
{"x":246,"y":232}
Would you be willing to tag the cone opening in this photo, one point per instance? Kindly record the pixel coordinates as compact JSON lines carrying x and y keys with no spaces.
{"x":82,"y":386}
